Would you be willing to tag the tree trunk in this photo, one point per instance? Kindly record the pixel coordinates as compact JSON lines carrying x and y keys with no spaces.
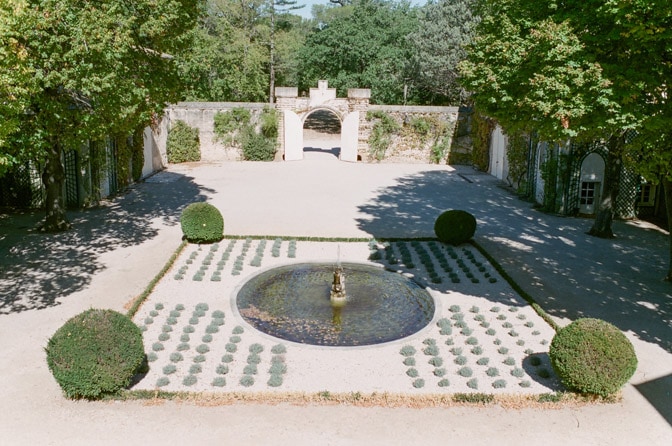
{"x":667,"y":187}
{"x":602,"y":226}
{"x":53,"y":177}
{"x":271,"y":95}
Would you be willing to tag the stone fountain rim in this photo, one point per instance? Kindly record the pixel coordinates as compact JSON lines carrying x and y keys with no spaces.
{"x":233,"y":302}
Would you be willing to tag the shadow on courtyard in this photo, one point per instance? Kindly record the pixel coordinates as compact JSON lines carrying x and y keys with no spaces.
{"x":37,"y":269}
{"x":569,"y":273}
{"x":659,"y":393}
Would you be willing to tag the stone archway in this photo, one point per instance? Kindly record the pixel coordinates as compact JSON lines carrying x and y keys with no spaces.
{"x":322,"y":132}
{"x":294,"y":110}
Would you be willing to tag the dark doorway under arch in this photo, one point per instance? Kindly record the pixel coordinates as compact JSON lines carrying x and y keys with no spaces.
{"x":322,"y":133}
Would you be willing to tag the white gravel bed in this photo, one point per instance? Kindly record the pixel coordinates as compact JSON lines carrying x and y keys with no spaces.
{"x":483,"y":337}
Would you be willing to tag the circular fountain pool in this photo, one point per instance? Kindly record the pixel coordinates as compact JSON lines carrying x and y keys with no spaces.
{"x":293,"y":302}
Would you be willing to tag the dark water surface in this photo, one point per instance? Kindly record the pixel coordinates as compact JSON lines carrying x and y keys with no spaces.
{"x":292,"y":302}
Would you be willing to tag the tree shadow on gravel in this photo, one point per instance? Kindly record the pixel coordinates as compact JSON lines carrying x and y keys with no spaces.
{"x":569,"y":273}
{"x":37,"y":269}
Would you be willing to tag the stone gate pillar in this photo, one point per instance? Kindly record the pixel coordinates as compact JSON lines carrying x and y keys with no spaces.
{"x":285,"y":101}
{"x":358,"y":101}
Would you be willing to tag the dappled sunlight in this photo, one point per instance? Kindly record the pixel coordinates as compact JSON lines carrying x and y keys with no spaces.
{"x":39,"y":269}
{"x":513,"y":244}
{"x":570,"y":273}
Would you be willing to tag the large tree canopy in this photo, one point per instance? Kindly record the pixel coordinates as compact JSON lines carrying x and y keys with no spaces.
{"x":439,"y":44}
{"x":75,"y":70}
{"x":366,"y":48}
{"x":581,"y":69}
{"x":558,"y":69}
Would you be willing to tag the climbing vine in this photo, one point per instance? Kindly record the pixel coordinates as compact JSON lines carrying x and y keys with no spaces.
{"x":516,"y":154}
{"x":230,"y":126}
{"x":554,"y":173}
{"x":482,"y":128}
{"x":138,"y":153}
{"x":236,"y":128}
{"x":381,"y":133}
{"x":124,"y":157}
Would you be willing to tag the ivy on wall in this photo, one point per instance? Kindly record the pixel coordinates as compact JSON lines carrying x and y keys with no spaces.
{"x":516,"y":154}
{"x":381,"y":133}
{"x":481,"y":131}
{"x":236,"y":128}
{"x":138,"y":153}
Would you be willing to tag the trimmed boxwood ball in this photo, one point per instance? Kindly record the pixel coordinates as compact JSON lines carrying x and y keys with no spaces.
{"x":95,"y":353}
{"x":202,"y":223}
{"x":592,"y":356}
{"x":455,"y":226}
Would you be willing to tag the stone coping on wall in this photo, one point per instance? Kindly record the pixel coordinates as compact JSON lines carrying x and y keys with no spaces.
{"x":221,"y":105}
{"x":414,"y":108}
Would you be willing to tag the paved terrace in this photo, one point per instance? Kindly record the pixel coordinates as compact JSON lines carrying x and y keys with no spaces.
{"x":115,"y":250}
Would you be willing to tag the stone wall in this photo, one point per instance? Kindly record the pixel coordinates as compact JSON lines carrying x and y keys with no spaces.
{"x":406,"y":147}
{"x":201,"y":115}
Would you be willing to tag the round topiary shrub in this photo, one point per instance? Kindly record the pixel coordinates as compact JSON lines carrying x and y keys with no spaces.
{"x":95,"y":353}
{"x":455,"y":226}
{"x":592,"y":356}
{"x":202,"y":223}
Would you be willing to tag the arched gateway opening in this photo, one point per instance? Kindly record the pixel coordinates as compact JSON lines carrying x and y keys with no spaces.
{"x":295,"y":111}
{"x":322,"y":134}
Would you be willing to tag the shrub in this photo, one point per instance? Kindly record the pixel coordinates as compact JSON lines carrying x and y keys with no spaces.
{"x":278,"y":349}
{"x":257,"y":147}
{"x":183,"y":144}
{"x":202,"y":223}
{"x":455,"y":226}
{"x":227,"y":125}
{"x":95,"y":353}
{"x":592,"y":356}
{"x":268,"y":123}
{"x":407,"y":350}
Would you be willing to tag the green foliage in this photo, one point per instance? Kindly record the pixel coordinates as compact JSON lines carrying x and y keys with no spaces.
{"x":257,"y":147}
{"x":477,"y":398}
{"x":278,"y":349}
{"x":74,"y":74}
{"x":364,"y":46}
{"x":268,"y":123}
{"x":95,"y":353}
{"x":439,"y":42}
{"x":535,"y":68}
{"x":229,"y":125}
{"x":481,"y":132}
{"x":202,"y":223}
{"x":247,"y":380}
{"x":229,"y":58}
{"x":421,"y":126}
{"x":593,"y":356}
{"x":275,"y":380}
{"x":236,"y":128}
{"x":407,"y":350}
{"x":516,"y":154}
{"x":183,"y":143}
{"x":465,"y":372}
{"x":499,"y":384}
{"x":455,"y":226}
{"x":381,"y":133}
